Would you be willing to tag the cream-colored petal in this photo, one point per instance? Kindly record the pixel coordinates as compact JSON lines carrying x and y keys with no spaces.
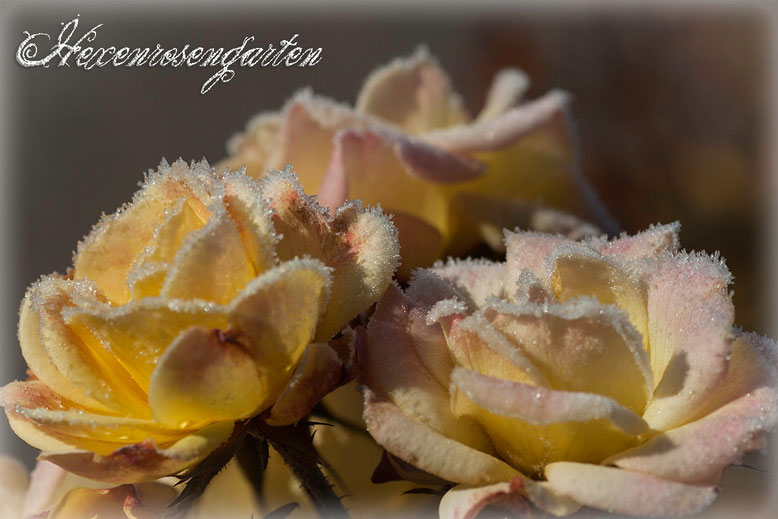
{"x":320,"y":371}
{"x":690,"y":318}
{"x":503,"y":130}
{"x":139,"y":332}
{"x":421,"y":446}
{"x":205,"y":376}
{"x":211,"y":265}
{"x":143,"y":461}
{"x":629,"y":493}
{"x":413,"y":93}
{"x":741,"y":412}
{"x":108,"y":253}
{"x":529,"y":250}
{"x":579,"y":345}
{"x":405,"y":361}
{"x":123,"y":501}
{"x":507,"y":88}
{"x":360,"y":246}
{"x":91,"y":368}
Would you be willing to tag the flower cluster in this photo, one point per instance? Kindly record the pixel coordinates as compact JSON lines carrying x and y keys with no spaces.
{"x":410,"y":145}
{"x":210,"y":316}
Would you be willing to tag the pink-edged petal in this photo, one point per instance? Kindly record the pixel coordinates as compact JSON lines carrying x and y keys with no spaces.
{"x":655,"y":240}
{"x":690,"y":317}
{"x":743,"y":410}
{"x":623,"y":492}
{"x":359,"y":245}
{"x":413,"y":93}
{"x":503,"y":130}
{"x":579,"y":345}
{"x":507,"y":88}
{"x":515,"y":496}
{"x":543,"y":406}
{"x":478,"y":279}
{"x":406,"y":361}
{"x":320,"y":371}
{"x":143,"y":461}
{"x":204,"y":376}
{"x":45,"y":480}
{"x":419,"y":445}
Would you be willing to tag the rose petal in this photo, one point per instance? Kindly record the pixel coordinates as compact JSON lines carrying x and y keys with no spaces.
{"x":254,"y":147}
{"x":743,"y":409}
{"x":532,"y":426}
{"x":420,"y":243}
{"x":507,"y":88}
{"x":143,"y":461}
{"x":428,"y":450}
{"x":107,"y":254}
{"x":400,"y":347}
{"x":655,"y":240}
{"x":580,"y":345}
{"x":13,"y":486}
{"x":502,"y":130}
{"x":45,"y":480}
{"x":690,"y":318}
{"x":466,"y":501}
{"x":277,"y":313}
{"x":139,"y":332}
{"x":414,"y":93}
{"x":318,"y":373}
{"x":529,"y":250}
{"x":359,"y":245}
{"x":542,"y":406}
{"x":122,"y":501}
{"x":211,"y":265}
{"x":624,"y":492}
{"x":204,"y":376}
{"x":478,"y":279}
{"x":89,"y":367}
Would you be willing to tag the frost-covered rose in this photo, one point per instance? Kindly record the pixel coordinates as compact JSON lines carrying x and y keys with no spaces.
{"x":410,"y":145}
{"x":598,"y":373}
{"x":208,"y":299}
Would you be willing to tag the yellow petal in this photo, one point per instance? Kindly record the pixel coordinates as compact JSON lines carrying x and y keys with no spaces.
{"x":254,"y":147}
{"x":204,"y":376}
{"x":139,"y":332}
{"x":211,"y":265}
{"x":90,"y":367}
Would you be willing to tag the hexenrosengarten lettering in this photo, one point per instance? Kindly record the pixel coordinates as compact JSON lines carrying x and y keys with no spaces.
{"x":288,"y":54}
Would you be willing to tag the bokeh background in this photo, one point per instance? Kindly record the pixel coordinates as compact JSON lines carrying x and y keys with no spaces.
{"x":672,"y":105}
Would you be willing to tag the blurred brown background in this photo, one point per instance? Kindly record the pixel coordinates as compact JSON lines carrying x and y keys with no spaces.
{"x":671,"y":105}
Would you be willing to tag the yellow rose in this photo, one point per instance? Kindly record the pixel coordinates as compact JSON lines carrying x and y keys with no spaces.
{"x":410,"y":146}
{"x":207,"y":300}
{"x":597,"y":373}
